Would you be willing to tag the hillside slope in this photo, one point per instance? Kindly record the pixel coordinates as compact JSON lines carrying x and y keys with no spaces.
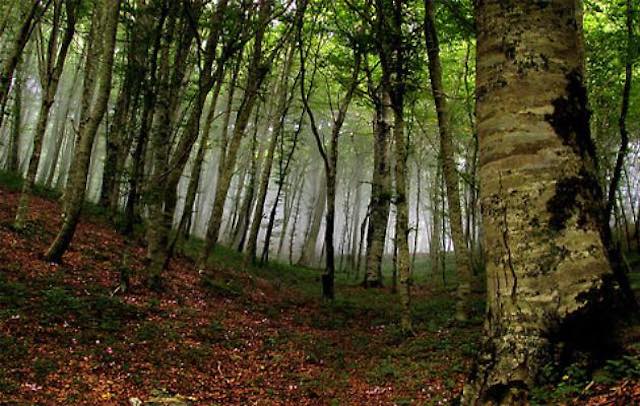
{"x":248,"y":336}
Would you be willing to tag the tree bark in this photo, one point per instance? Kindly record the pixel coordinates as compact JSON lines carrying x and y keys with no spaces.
{"x":380,"y":204}
{"x":277,"y":125}
{"x":50,"y":73}
{"x":308,"y":253}
{"x":13,"y":158}
{"x":622,"y":122}
{"x":463,"y":266}
{"x":8,"y":67}
{"x":258,"y":69}
{"x":97,"y":86}
{"x":548,"y":276}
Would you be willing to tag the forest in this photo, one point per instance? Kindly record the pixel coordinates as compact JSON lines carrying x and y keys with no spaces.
{"x":313,"y":202}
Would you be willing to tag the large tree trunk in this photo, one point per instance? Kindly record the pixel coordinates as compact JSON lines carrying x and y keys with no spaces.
{"x":463,"y":266}
{"x":547,"y":269}
{"x":97,"y":86}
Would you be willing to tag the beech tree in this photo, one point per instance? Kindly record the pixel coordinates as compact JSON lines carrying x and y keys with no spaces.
{"x":548,"y":273}
{"x":96,"y":89}
{"x":52,"y":63}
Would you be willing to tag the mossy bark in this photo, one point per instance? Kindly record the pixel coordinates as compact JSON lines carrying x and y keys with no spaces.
{"x":548,"y":274}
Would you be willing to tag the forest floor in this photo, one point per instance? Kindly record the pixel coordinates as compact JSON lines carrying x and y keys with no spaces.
{"x":246,"y":336}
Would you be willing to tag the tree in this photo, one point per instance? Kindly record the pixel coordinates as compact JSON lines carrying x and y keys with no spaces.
{"x":329,"y":155}
{"x":29,"y":21}
{"x":96,"y":89}
{"x":283,"y":102}
{"x":449,"y":171}
{"x":259,"y":66}
{"x":53,"y":62}
{"x":548,"y":275}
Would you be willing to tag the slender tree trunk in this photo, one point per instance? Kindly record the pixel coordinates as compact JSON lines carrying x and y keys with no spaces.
{"x":100,"y":76}
{"x":622,"y":122}
{"x":283,"y":171}
{"x":346,"y":209}
{"x":60,"y":128}
{"x":242,"y":225}
{"x":296,"y":216}
{"x":416,"y":230}
{"x":196,"y":170}
{"x":463,"y":266}
{"x":539,"y":192}
{"x":435,"y":251}
{"x":282,"y":93}
{"x":50,"y":73}
{"x":308,"y":253}
{"x":258,"y":69}
{"x":13,"y":160}
{"x":8,"y":67}
{"x":293,"y":197}
{"x":380,"y":204}
{"x":355,"y":220}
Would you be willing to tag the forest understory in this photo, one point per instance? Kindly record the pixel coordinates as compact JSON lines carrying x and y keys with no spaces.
{"x":248,"y":335}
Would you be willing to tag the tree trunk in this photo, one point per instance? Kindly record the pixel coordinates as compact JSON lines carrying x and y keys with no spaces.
{"x":8,"y":67}
{"x":277,"y":125}
{"x":296,"y":216}
{"x":50,"y":73}
{"x":435,"y":251}
{"x":380,"y":204}
{"x":622,"y":122}
{"x":308,"y":253}
{"x":98,"y":72}
{"x":548,"y":276}
{"x":242,"y":224}
{"x":449,"y":171}
{"x":196,"y":170}
{"x":13,"y":159}
{"x":60,"y":128}
{"x":258,"y":69}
